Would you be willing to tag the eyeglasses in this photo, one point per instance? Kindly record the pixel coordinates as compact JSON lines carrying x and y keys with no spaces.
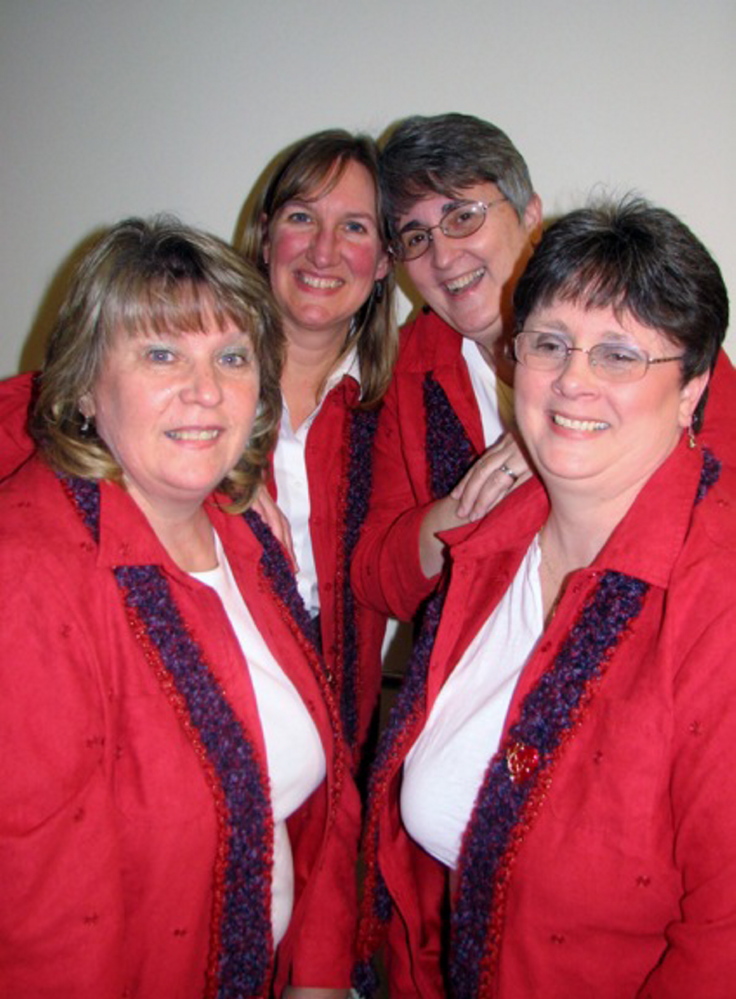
{"x":614,"y":362}
{"x":457,"y":222}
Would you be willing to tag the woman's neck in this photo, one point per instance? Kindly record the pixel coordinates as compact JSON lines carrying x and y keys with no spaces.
{"x":308,"y":363}
{"x":572,"y":537}
{"x":185,"y":532}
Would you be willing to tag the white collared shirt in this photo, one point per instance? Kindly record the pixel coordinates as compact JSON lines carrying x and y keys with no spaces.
{"x":444,"y":770}
{"x":294,"y":751}
{"x":290,"y":472}
{"x":495,"y":398}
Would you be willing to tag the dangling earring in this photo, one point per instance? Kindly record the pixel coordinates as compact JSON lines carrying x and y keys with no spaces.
{"x":378,"y":290}
{"x":85,"y":430}
{"x":691,"y":442}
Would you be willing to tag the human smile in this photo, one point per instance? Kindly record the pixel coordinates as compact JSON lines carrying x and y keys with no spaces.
{"x":321,"y":283}
{"x":584,"y":426}
{"x":459,"y":284}
{"x":193,"y":435}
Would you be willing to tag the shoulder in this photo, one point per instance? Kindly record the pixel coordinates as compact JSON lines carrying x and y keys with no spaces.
{"x":711,"y":540}
{"x":42,"y":541}
{"x":720,"y":412}
{"x":425,"y":342}
{"x":15,"y":443}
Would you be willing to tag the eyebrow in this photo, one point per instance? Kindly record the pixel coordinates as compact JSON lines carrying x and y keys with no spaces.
{"x":309,"y":203}
{"x":448,"y":206}
{"x":560,"y":327}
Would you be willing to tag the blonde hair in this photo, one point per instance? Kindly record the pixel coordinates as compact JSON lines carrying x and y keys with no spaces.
{"x":153,"y":275}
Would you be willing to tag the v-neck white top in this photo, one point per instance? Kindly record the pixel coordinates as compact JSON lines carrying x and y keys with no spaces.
{"x":294,"y":752}
{"x":292,"y":485}
{"x":444,"y":770}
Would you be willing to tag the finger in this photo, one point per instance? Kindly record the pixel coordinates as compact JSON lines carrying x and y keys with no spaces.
{"x":496,"y":489}
{"x":488,"y":476}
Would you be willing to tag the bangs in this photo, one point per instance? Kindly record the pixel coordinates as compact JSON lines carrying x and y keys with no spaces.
{"x":308,"y":181}
{"x":426,"y":183}
{"x":165,"y":305}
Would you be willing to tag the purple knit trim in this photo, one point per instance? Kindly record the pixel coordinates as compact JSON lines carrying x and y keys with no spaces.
{"x":709,"y":475}
{"x":363,"y":425}
{"x":245,"y":946}
{"x":548,"y":715}
{"x":278,"y":571}
{"x":449,"y":450}
{"x":407,"y":711}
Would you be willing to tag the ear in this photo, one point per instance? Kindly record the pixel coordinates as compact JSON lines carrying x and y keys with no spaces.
{"x":533,"y":217}
{"x":265,"y":244}
{"x":383,"y":267}
{"x":690,"y":397}
{"x":86,"y":405}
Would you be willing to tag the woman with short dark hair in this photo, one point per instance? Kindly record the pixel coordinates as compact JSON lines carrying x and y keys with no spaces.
{"x":552,"y":808}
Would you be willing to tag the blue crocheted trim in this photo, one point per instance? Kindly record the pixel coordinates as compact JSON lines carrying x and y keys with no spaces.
{"x":449,"y":450}
{"x":548,"y":715}
{"x":363,"y":425}
{"x":244,"y":948}
{"x":709,"y":475}
{"x":408,"y":707}
{"x":280,"y":575}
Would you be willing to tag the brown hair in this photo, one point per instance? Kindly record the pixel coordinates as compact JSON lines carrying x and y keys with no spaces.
{"x":313,"y":166}
{"x":153,"y":275}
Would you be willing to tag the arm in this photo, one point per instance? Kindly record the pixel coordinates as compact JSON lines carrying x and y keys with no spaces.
{"x":61,"y":894}
{"x":499,"y":470}
{"x":321,"y":940}
{"x":15,"y":444}
{"x":270,"y":513}
{"x":700,"y":956}
{"x":399,"y":555}
{"x":386,"y":570}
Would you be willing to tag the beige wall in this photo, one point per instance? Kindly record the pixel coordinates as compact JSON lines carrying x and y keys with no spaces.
{"x":112,"y":108}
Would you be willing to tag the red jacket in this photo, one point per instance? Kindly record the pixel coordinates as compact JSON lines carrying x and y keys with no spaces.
{"x":339,"y":472}
{"x":608,"y":867}
{"x":117,"y":828}
{"x":338,"y":459}
{"x":387,"y":573}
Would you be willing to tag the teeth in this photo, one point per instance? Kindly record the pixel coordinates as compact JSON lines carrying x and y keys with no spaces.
{"x":192,"y":435}
{"x":584,"y":425}
{"x":462,"y":282}
{"x":317,"y":282}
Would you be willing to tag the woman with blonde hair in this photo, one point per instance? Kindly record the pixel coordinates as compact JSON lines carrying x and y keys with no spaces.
{"x":179,"y":817}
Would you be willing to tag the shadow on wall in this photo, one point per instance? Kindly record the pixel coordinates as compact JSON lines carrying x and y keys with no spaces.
{"x":34,"y":346}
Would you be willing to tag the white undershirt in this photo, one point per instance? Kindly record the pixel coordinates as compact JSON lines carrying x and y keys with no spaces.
{"x":495,"y":398}
{"x":444,"y":770}
{"x":294,"y":752}
{"x":290,"y":472}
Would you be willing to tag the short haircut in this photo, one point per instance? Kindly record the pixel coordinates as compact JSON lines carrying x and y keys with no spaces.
{"x":445,"y":154}
{"x":634,"y":257}
{"x":153,"y":276}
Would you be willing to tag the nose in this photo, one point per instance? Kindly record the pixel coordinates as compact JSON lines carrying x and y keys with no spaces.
{"x":576,"y":374}
{"x":323,"y":248}
{"x":202,"y":385}
{"x":442,"y":248}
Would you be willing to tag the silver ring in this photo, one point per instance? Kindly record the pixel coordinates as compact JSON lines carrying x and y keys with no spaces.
{"x":507,"y":471}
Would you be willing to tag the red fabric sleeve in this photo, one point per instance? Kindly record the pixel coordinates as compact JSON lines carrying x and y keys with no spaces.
{"x":386,"y":571}
{"x":15,"y":444}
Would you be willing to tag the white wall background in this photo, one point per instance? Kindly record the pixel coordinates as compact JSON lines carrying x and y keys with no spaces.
{"x":110,"y":108}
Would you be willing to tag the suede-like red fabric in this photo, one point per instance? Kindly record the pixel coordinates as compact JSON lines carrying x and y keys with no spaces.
{"x":107,"y":821}
{"x":387,"y":574}
{"x":625,"y":881}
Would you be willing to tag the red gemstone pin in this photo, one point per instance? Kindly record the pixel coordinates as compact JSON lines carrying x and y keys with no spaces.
{"x":522,"y":761}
